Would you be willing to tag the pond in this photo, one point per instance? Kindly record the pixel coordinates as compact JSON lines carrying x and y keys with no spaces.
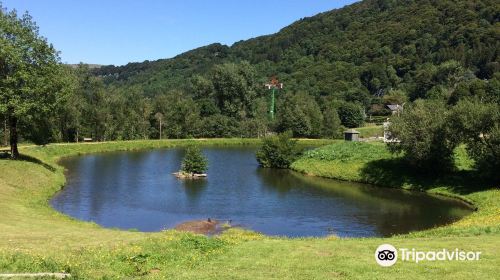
{"x":136,"y":190}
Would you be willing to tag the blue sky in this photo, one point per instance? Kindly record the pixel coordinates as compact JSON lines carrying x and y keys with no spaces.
{"x":121,"y":31}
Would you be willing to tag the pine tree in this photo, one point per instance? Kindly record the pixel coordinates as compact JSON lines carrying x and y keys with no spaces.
{"x":194,"y":161}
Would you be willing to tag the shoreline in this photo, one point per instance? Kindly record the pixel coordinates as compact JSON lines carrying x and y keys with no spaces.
{"x":176,"y":143}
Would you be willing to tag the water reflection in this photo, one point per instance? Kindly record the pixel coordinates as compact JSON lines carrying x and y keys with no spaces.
{"x":194,"y":188}
{"x":276,"y":180}
{"x":137,"y":190}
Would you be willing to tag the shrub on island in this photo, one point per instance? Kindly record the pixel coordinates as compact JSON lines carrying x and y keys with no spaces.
{"x":194,"y":164}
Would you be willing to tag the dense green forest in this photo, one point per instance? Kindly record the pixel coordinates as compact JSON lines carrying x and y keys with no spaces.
{"x":338,"y":68}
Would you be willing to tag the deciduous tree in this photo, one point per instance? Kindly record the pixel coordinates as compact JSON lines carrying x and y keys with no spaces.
{"x":29,"y":73}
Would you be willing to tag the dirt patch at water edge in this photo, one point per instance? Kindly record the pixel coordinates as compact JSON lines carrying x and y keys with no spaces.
{"x":200,"y":226}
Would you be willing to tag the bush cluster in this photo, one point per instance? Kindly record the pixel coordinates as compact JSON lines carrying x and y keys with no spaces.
{"x":278,"y":151}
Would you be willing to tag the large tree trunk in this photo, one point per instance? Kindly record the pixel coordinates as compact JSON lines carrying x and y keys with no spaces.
{"x":14,"y":153}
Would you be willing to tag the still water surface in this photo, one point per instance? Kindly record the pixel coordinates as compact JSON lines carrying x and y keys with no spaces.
{"x":136,"y":190}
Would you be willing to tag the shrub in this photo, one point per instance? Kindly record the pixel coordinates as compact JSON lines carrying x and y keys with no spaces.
{"x":278,"y":151}
{"x":194,"y":161}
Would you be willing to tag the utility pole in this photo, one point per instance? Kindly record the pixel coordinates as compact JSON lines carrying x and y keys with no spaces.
{"x":273,"y":85}
{"x":159,"y":117}
{"x":160,"y":129}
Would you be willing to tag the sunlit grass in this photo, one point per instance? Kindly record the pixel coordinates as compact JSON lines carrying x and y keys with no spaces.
{"x":371,"y":131}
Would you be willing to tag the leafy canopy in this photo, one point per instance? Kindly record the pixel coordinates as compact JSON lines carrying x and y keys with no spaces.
{"x":423,"y":136}
{"x":29,"y":67}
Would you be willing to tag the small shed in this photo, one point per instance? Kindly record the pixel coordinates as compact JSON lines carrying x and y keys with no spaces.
{"x":351,"y":135}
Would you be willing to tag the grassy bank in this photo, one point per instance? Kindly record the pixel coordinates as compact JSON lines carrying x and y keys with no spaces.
{"x":372,"y":163}
{"x":371,"y":131}
{"x":36,"y":238}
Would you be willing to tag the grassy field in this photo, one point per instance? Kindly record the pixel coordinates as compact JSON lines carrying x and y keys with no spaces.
{"x":371,"y":131}
{"x":36,"y":238}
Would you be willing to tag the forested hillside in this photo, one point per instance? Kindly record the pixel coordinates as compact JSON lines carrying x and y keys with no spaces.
{"x":339,"y":68}
{"x":353,"y":53}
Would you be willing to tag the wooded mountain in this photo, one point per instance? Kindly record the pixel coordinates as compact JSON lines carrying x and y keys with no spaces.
{"x":353,"y":53}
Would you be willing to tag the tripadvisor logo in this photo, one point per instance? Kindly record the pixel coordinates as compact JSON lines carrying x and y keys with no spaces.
{"x":387,"y":255}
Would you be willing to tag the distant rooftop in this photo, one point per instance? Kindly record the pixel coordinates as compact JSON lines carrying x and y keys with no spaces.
{"x":395,"y":107}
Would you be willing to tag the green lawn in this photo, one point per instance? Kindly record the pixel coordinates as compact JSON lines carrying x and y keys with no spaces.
{"x":36,"y":238}
{"x":371,"y":131}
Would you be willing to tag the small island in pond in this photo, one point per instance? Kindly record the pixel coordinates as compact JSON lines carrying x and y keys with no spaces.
{"x":194,"y":165}
{"x":187,"y":175}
